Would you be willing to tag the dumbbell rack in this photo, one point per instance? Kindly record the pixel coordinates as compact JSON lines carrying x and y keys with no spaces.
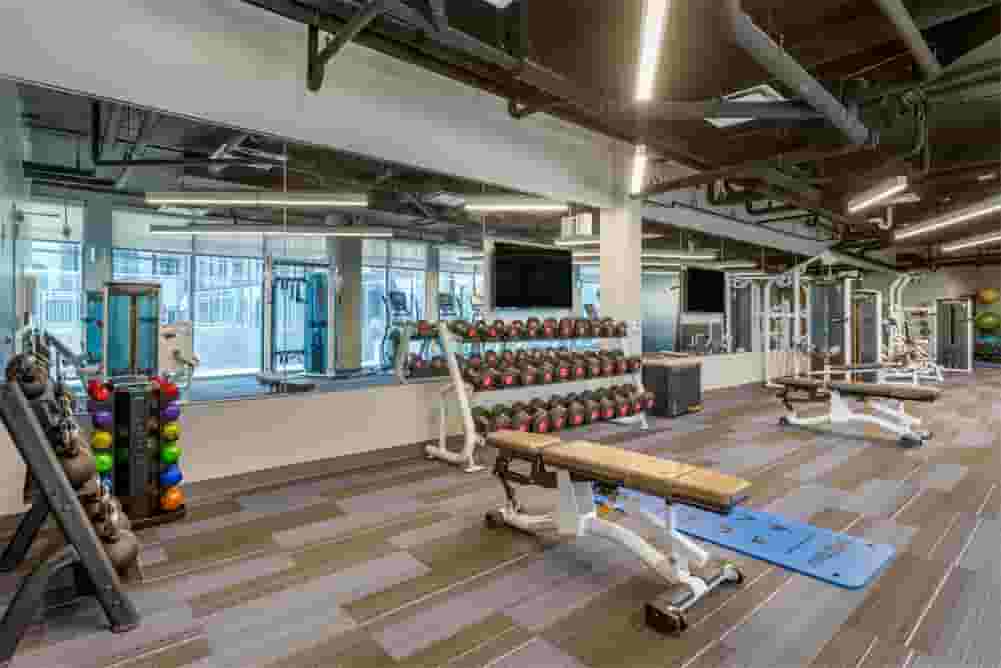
{"x":468,"y":398}
{"x":408,"y":335}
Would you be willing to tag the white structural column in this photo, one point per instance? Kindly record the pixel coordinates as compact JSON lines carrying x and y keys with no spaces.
{"x":348,"y":321}
{"x":621,"y":270}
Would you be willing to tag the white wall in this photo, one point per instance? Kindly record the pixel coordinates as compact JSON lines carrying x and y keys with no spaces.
{"x":220,"y":439}
{"x":231,"y":63}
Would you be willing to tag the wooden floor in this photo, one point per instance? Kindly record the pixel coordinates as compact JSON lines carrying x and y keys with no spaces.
{"x":394,"y":567}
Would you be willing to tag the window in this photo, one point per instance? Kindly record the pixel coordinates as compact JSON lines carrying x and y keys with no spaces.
{"x":399,"y":267}
{"x":170,"y":270}
{"x":59,"y":289}
{"x":227,"y":342}
{"x":590,"y":292}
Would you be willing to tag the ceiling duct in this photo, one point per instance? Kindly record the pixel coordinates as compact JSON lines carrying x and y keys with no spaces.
{"x":784,"y":67}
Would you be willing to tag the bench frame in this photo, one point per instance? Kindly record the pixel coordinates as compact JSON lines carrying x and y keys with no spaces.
{"x":891,"y":415}
{"x":577,"y":515}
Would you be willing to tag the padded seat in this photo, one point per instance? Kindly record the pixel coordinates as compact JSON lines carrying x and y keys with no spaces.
{"x":645,"y":473}
{"x":797,"y":383}
{"x":522,"y":442}
{"x":888,"y":391}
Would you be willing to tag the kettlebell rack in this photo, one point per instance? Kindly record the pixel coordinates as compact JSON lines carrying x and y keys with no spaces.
{"x":470,"y":398}
{"x":82,"y":567}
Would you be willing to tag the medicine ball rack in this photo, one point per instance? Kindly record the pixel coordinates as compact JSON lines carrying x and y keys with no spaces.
{"x":469,"y":398}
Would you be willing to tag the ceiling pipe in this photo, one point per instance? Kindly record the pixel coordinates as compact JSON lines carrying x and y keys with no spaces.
{"x":95,"y":151}
{"x":902,"y":20}
{"x":784,"y":67}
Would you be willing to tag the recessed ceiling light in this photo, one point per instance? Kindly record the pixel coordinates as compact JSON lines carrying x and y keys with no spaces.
{"x":762,"y":93}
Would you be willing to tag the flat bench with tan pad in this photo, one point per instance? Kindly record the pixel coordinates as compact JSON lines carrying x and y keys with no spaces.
{"x":575,"y":467}
{"x":885,"y":399}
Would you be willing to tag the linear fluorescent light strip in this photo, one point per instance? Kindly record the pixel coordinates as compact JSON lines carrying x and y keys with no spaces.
{"x":596,"y":241}
{"x":264,"y":199}
{"x":982,"y":240}
{"x":651,"y":36}
{"x":244,"y":230}
{"x":541,"y":208}
{"x":877,"y":194}
{"x":656,"y":255}
{"x":984,"y":208}
{"x":639,"y":170}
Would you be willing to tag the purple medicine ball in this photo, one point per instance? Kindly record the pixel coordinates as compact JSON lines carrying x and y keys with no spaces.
{"x":102,"y":419}
{"x":170,"y":412}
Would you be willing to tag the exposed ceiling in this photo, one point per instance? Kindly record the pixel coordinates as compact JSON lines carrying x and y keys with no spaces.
{"x":931,"y":126}
{"x":942,"y":130}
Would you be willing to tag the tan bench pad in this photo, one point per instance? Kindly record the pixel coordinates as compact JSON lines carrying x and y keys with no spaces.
{"x":521,"y":442}
{"x":645,"y":473}
{"x":888,"y":391}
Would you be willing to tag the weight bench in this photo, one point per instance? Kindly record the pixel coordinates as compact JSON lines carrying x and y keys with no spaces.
{"x":886,"y":399}
{"x":581,"y":469}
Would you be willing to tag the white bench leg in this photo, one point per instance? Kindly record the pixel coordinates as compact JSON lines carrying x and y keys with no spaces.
{"x":577,"y":516}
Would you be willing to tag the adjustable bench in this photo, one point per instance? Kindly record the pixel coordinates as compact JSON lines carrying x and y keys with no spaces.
{"x":581,"y":469}
{"x":886,"y":399}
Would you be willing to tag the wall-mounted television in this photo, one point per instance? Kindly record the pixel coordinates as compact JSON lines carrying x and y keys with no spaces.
{"x":532,"y":277}
{"x":705,"y":291}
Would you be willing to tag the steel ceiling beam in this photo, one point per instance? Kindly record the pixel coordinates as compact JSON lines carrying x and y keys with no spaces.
{"x":318,"y":58}
{"x":811,"y":154}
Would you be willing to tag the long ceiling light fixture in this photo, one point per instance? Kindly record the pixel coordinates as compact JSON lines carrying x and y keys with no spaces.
{"x":263,"y":199}
{"x":878,"y":193}
{"x":595,"y":240}
{"x":639,"y":170}
{"x":961,"y":215}
{"x":972,"y":242}
{"x":732,"y":265}
{"x":677,"y":256}
{"x":651,"y":37}
{"x":513,"y":204}
{"x":229,"y":229}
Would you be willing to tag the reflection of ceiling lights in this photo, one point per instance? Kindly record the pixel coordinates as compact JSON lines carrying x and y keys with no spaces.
{"x":444,"y":199}
{"x":972,"y":242}
{"x":878,"y":193}
{"x":678,"y":256}
{"x":989,"y":176}
{"x":639,"y":170}
{"x":265,"y":199}
{"x":729,"y":265}
{"x":231,"y":230}
{"x":651,"y":36}
{"x":960,"y":215}
{"x":513,"y":204}
{"x":595,"y":240}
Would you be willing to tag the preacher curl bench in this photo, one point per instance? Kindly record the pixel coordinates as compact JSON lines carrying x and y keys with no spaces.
{"x":885,"y":399}
{"x":583,"y":468}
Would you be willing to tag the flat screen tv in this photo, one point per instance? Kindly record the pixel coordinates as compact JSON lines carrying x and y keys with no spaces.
{"x":532,"y":277}
{"x":705,"y":291}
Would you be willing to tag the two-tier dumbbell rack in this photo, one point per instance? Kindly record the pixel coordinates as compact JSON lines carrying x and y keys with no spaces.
{"x":469,"y":398}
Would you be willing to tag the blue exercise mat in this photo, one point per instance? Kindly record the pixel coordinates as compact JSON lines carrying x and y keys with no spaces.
{"x":836,"y":558}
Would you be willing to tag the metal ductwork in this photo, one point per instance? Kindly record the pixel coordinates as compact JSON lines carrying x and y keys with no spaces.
{"x":911,"y":35}
{"x":784,"y":67}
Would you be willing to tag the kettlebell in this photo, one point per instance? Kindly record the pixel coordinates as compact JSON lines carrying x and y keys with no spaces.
{"x":122,"y":549}
{"x":78,"y":463}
